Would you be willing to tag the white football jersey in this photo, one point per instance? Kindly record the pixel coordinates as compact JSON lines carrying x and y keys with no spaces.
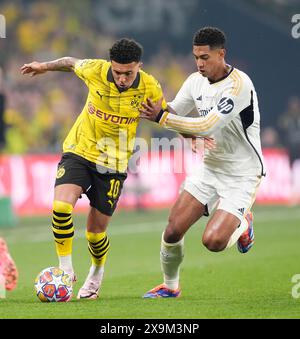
{"x":228,"y":112}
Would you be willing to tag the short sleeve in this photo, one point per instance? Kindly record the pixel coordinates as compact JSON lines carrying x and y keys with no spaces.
{"x":85,"y":68}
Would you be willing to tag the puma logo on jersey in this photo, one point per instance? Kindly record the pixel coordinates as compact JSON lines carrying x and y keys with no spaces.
{"x":100,"y":95}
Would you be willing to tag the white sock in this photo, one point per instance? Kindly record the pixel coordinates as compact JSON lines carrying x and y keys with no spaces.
{"x":65,"y":263}
{"x":237,"y":233}
{"x":96,"y":273}
{"x":171,"y":256}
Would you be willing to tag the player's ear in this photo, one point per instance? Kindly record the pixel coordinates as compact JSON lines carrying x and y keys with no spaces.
{"x":140,"y":65}
{"x":222,"y":52}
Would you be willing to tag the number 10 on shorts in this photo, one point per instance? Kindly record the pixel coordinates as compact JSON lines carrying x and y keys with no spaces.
{"x":114,"y":188}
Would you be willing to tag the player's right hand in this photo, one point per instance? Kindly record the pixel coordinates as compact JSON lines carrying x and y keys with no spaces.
{"x":33,"y":68}
{"x":151,"y":109}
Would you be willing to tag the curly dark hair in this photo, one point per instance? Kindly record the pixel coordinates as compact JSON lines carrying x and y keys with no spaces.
{"x":211,"y":36}
{"x":125,"y":51}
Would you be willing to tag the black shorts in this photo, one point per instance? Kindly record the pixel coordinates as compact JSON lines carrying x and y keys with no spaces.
{"x":102,"y":189}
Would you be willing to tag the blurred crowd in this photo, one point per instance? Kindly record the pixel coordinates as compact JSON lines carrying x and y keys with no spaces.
{"x":281,"y":9}
{"x":40,"y":111}
{"x":286,"y":132}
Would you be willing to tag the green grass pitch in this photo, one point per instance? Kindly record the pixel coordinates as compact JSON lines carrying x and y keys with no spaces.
{"x":214,"y":285}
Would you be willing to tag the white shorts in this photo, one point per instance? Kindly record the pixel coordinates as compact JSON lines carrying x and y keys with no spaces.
{"x":233,"y":194}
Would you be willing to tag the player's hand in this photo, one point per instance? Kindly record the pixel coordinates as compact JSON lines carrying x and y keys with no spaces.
{"x":194,"y":145}
{"x":33,"y":68}
{"x":192,"y":141}
{"x":209,"y":143}
{"x":150,"y":109}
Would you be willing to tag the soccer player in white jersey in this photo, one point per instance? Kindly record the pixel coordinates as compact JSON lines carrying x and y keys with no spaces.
{"x":226,"y":101}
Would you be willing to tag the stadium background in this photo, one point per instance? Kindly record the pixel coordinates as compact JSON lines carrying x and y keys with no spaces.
{"x":37,"y":114}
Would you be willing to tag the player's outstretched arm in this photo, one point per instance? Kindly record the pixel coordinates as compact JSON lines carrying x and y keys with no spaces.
{"x":152,"y":111}
{"x":65,"y":64}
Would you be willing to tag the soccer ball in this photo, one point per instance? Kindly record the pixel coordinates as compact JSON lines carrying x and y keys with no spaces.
{"x":53,"y":284}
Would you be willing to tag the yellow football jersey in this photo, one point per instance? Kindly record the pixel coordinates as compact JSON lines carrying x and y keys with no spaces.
{"x":104,"y":132}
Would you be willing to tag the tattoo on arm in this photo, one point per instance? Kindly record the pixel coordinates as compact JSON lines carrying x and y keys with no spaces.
{"x":65,"y":64}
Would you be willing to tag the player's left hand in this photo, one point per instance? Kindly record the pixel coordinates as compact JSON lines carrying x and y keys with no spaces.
{"x":207,"y":143}
{"x":197,"y":143}
{"x":150,"y":109}
{"x":194,"y":145}
{"x":210,"y":143}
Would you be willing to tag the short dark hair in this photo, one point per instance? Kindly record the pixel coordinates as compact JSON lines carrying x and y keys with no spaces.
{"x":211,"y":36}
{"x":125,"y":51}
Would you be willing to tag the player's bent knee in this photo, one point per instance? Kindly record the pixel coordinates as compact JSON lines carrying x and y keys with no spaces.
{"x":172,"y":234}
{"x":68,"y":193}
{"x":213,"y":242}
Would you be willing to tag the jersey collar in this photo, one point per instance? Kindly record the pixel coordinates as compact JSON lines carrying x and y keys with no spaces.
{"x":135,"y":84}
{"x":224,"y":77}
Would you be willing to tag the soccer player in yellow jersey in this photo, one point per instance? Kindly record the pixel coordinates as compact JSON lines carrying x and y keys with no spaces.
{"x":97,"y":149}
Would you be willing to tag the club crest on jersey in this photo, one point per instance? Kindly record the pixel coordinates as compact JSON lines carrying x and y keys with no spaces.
{"x":225,"y":105}
{"x":60,"y":172}
{"x":136,"y":101}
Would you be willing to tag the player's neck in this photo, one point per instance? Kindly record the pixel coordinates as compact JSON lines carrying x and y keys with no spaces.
{"x":221,"y":73}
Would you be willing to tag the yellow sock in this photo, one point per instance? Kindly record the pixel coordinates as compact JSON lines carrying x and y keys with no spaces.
{"x":98,"y":245}
{"x":62,"y":227}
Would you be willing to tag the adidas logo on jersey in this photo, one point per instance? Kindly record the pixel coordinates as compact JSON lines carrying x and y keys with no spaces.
{"x":242,"y":210}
